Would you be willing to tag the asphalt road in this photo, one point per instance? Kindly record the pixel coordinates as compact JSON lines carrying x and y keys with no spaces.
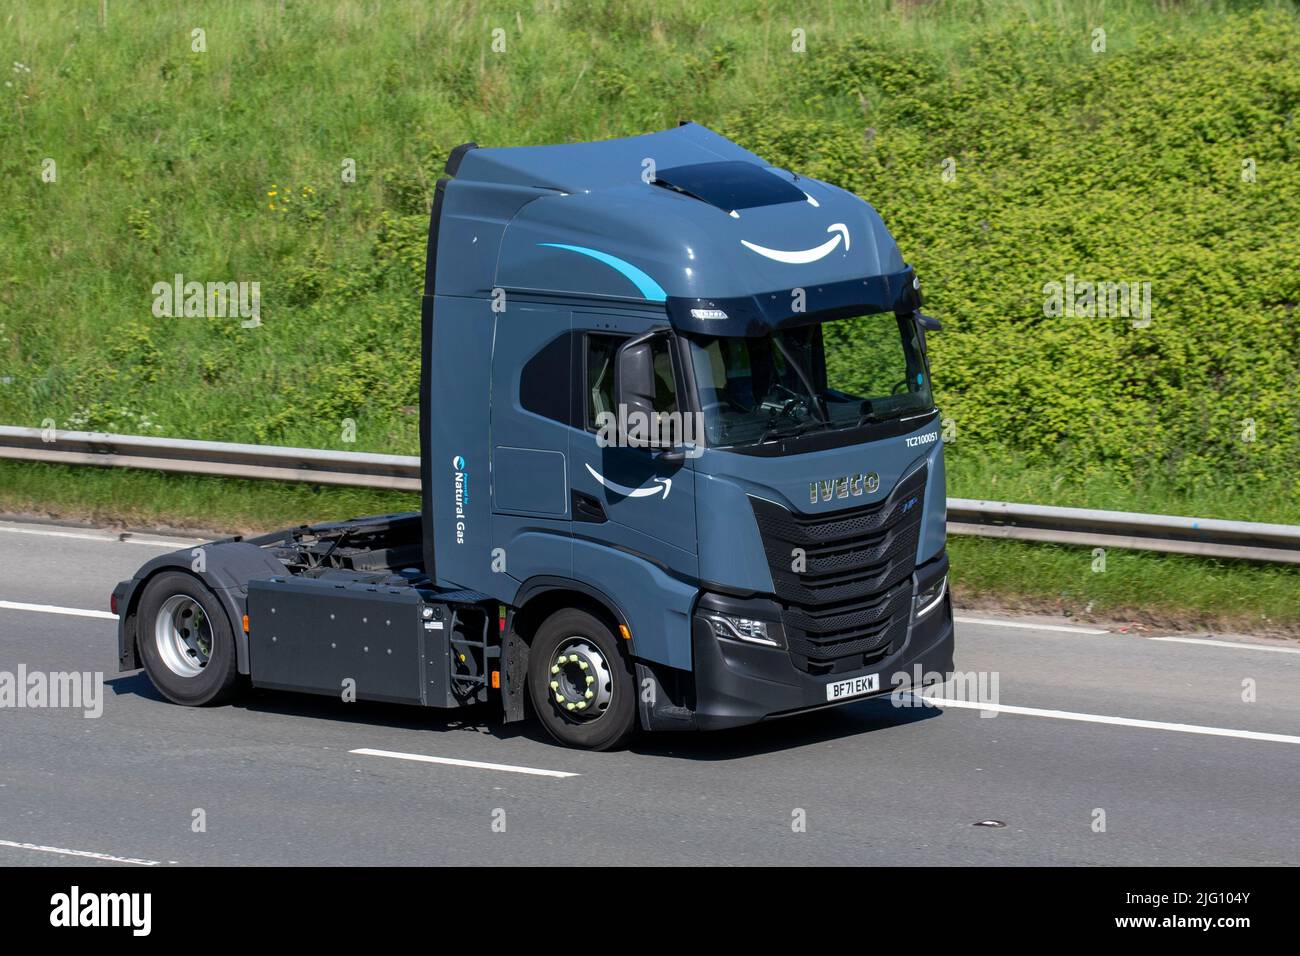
{"x":1087,"y":722}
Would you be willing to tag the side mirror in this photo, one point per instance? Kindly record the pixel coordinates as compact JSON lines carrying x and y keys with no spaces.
{"x":634,"y":391}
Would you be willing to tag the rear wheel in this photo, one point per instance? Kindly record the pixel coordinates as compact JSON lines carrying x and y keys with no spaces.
{"x":580,"y":683}
{"x":186,"y":641}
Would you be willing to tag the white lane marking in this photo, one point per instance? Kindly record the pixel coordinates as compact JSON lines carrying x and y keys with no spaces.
{"x":1244,"y":647}
{"x":51,"y":609}
{"x":1117,"y":721}
{"x":1032,"y":627}
{"x":103,"y":536}
{"x":88,"y":854}
{"x":452,"y":762}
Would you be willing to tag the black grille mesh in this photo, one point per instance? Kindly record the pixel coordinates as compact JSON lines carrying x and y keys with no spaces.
{"x":852,"y":599}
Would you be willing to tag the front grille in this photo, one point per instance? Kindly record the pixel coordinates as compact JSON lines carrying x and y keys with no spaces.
{"x":851,"y":601}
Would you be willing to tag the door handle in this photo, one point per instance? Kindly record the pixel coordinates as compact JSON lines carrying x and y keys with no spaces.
{"x":587,"y":508}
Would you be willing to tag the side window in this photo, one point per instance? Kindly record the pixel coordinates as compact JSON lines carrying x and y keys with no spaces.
{"x":600,"y":376}
{"x":544,"y":381}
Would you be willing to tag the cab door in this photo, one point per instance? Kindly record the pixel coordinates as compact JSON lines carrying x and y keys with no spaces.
{"x":635,"y":500}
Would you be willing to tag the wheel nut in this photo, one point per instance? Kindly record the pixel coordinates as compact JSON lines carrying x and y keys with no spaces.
{"x":571,"y":706}
{"x":555,"y":669}
{"x":590,"y":679}
{"x":590,"y":695}
{"x":555,"y":685}
{"x":582,"y":664}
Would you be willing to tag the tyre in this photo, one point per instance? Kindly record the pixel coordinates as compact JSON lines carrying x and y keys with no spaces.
{"x":186,"y":642}
{"x":580,"y":683}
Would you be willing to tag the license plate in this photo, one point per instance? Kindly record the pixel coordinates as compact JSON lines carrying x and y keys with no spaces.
{"x":853,"y":687}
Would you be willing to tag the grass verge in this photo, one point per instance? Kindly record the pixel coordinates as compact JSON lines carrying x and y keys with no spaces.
{"x":1145,"y":589}
{"x":145,"y":499}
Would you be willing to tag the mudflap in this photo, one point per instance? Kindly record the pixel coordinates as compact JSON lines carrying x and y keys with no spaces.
{"x":514,"y":674}
{"x":663,"y":700}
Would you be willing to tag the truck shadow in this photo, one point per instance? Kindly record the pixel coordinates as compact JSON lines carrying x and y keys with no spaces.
{"x":772,"y":736}
{"x":480,"y":718}
{"x":790,"y":733}
{"x":136,"y":684}
{"x":786,"y":733}
{"x":476,"y":718}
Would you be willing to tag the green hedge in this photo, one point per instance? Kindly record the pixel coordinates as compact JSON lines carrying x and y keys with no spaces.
{"x":1124,"y":165}
{"x":1115,"y":167}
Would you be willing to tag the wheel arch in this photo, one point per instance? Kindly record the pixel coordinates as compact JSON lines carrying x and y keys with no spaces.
{"x":228,"y":567}
{"x":537,"y":599}
{"x":540,"y":597}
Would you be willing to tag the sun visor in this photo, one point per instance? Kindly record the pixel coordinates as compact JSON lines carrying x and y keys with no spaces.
{"x":757,"y":315}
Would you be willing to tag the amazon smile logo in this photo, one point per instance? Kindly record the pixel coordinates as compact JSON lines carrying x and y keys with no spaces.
{"x":633,"y":428}
{"x":656,"y":486}
{"x":803,"y":256}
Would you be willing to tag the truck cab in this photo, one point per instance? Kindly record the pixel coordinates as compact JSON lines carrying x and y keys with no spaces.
{"x":680,"y":460}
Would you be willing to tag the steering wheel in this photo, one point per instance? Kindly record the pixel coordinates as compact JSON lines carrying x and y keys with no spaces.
{"x":792,"y":410}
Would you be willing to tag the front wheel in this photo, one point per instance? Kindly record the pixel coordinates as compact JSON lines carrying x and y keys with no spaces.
{"x":185,"y":641}
{"x":580,"y":683}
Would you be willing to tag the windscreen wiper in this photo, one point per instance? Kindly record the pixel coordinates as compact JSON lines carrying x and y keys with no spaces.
{"x":774,"y":430}
{"x":871,"y":418}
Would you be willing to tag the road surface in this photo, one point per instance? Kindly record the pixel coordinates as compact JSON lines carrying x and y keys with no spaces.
{"x":1104,"y":748}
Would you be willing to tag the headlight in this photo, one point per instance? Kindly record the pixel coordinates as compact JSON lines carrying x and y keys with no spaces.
{"x":931,"y":596}
{"x":740,"y":629}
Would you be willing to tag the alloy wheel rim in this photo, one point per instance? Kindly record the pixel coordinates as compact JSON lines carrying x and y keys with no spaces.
{"x":183,"y":636}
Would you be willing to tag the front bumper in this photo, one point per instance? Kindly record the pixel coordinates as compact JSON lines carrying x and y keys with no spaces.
{"x":735,"y":682}
{"x":738,"y":683}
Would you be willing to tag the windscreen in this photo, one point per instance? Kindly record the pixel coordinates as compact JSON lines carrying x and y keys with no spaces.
{"x":849,"y":373}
